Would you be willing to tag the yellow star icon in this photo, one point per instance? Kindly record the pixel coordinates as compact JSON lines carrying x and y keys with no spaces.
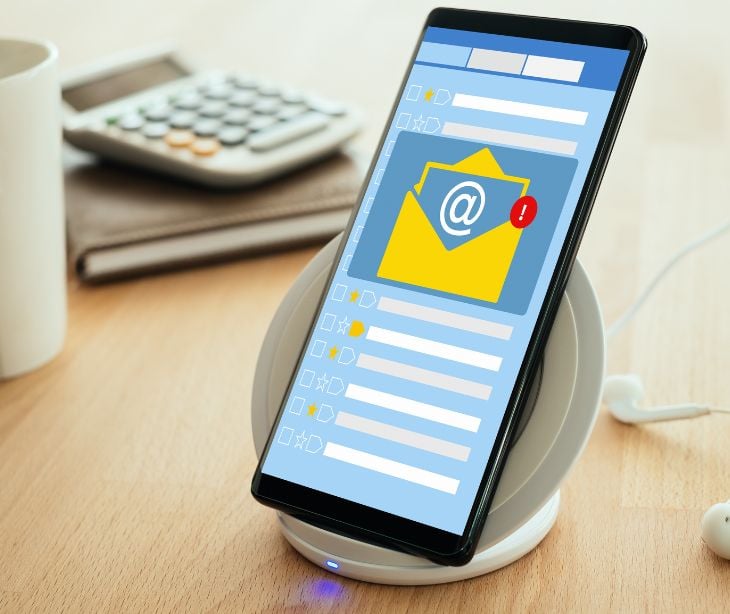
{"x":428,"y":95}
{"x":311,"y":409}
{"x":333,"y":352}
{"x":353,"y":296}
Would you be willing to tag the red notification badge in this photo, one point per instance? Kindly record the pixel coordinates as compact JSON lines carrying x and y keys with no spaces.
{"x":523,"y":212}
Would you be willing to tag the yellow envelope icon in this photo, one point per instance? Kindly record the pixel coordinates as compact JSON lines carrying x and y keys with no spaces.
{"x":476,"y":269}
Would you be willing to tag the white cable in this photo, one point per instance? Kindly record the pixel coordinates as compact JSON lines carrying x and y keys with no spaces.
{"x":624,"y":319}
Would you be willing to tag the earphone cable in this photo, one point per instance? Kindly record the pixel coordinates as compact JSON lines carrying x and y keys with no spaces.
{"x":631,"y":311}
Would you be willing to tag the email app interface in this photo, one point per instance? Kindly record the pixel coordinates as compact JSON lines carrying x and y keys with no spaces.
{"x":406,"y":378}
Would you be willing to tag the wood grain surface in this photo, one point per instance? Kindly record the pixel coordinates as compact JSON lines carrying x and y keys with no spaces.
{"x":125,"y":464}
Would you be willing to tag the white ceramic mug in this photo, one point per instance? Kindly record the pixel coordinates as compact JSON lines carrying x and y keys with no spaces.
{"x":32,"y":237}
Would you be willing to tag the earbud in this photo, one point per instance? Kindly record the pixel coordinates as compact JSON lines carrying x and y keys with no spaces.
{"x":622,"y":393}
{"x":716,"y":529}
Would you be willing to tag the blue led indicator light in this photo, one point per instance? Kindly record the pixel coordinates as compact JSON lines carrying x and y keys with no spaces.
{"x":332,"y":564}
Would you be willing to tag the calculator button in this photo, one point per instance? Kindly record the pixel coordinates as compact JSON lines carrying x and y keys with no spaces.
{"x":217,"y":91}
{"x":328,"y":107}
{"x":261,"y":122}
{"x":189,"y":101}
{"x":245,"y":82}
{"x":244,"y":98}
{"x":182,"y":119}
{"x":206,"y":127}
{"x":214,"y":108}
{"x":205,"y":147}
{"x":155,"y":130}
{"x":158,"y":113}
{"x":290,"y":111}
{"x":292,"y":96}
{"x":131,"y":121}
{"x":268,"y":89}
{"x":288,"y":131}
{"x":232,"y":136}
{"x":267,"y":106}
{"x":237,"y":117}
{"x":209,"y":82}
{"x":179,"y":138}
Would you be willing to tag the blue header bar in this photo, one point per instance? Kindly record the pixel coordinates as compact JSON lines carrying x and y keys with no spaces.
{"x":602,"y":68}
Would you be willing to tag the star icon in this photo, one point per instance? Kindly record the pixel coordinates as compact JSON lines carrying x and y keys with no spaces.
{"x":322,"y":382}
{"x":311,"y":410}
{"x":428,"y":95}
{"x":343,"y":325}
{"x":301,"y":438}
{"x":333,"y":352}
{"x":419,"y":123}
{"x":354,"y":295}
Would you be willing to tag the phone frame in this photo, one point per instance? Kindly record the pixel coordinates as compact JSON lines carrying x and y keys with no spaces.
{"x":382,"y":528}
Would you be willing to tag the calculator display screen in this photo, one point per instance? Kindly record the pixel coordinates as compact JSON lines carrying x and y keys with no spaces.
{"x":122,"y":83}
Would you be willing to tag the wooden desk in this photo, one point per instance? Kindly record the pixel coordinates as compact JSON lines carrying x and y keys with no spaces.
{"x":125,"y":464}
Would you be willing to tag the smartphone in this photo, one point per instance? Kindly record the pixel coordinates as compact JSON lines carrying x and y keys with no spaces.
{"x":400,"y":412}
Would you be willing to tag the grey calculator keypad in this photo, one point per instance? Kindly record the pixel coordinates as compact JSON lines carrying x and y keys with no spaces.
{"x":236,"y":110}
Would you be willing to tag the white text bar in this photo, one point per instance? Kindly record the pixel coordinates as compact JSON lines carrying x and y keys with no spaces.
{"x":496,"y":61}
{"x":445,"y":318}
{"x":403,"y":436}
{"x":522,"y":109}
{"x":553,"y":68}
{"x":424,"y":376}
{"x":513,"y":139}
{"x":412,"y":408}
{"x":391,"y":468}
{"x":434,"y":348}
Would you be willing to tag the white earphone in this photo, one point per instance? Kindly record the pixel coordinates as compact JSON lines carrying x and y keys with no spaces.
{"x":622,"y":394}
{"x":716,"y":529}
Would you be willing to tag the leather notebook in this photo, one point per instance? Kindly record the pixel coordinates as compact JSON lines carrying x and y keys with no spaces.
{"x":123,"y":222}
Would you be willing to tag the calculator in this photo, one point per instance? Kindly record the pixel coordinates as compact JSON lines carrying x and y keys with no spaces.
{"x":216,"y":128}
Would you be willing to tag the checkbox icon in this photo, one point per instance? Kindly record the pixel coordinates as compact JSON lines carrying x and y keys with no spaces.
{"x":285,"y":436}
{"x":328,"y":322}
{"x":414,"y":93}
{"x":296,"y":406}
{"x":403,"y":120}
{"x":318,"y":348}
{"x":306,"y":379}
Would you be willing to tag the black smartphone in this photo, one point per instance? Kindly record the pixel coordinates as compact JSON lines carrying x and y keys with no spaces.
{"x":400,"y":412}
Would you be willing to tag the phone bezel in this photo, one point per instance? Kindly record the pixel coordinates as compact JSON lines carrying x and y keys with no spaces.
{"x":382,"y":528}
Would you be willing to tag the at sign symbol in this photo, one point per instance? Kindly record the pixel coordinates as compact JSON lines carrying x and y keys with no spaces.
{"x":462,"y":205}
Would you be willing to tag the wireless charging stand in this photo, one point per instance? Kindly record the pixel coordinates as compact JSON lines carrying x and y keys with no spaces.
{"x":564,"y":405}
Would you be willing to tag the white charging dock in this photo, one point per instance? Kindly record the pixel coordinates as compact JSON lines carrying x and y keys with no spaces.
{"x":564,"y":406}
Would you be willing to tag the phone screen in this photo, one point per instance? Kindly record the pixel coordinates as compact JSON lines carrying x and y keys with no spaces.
{"x":405,"y":379}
